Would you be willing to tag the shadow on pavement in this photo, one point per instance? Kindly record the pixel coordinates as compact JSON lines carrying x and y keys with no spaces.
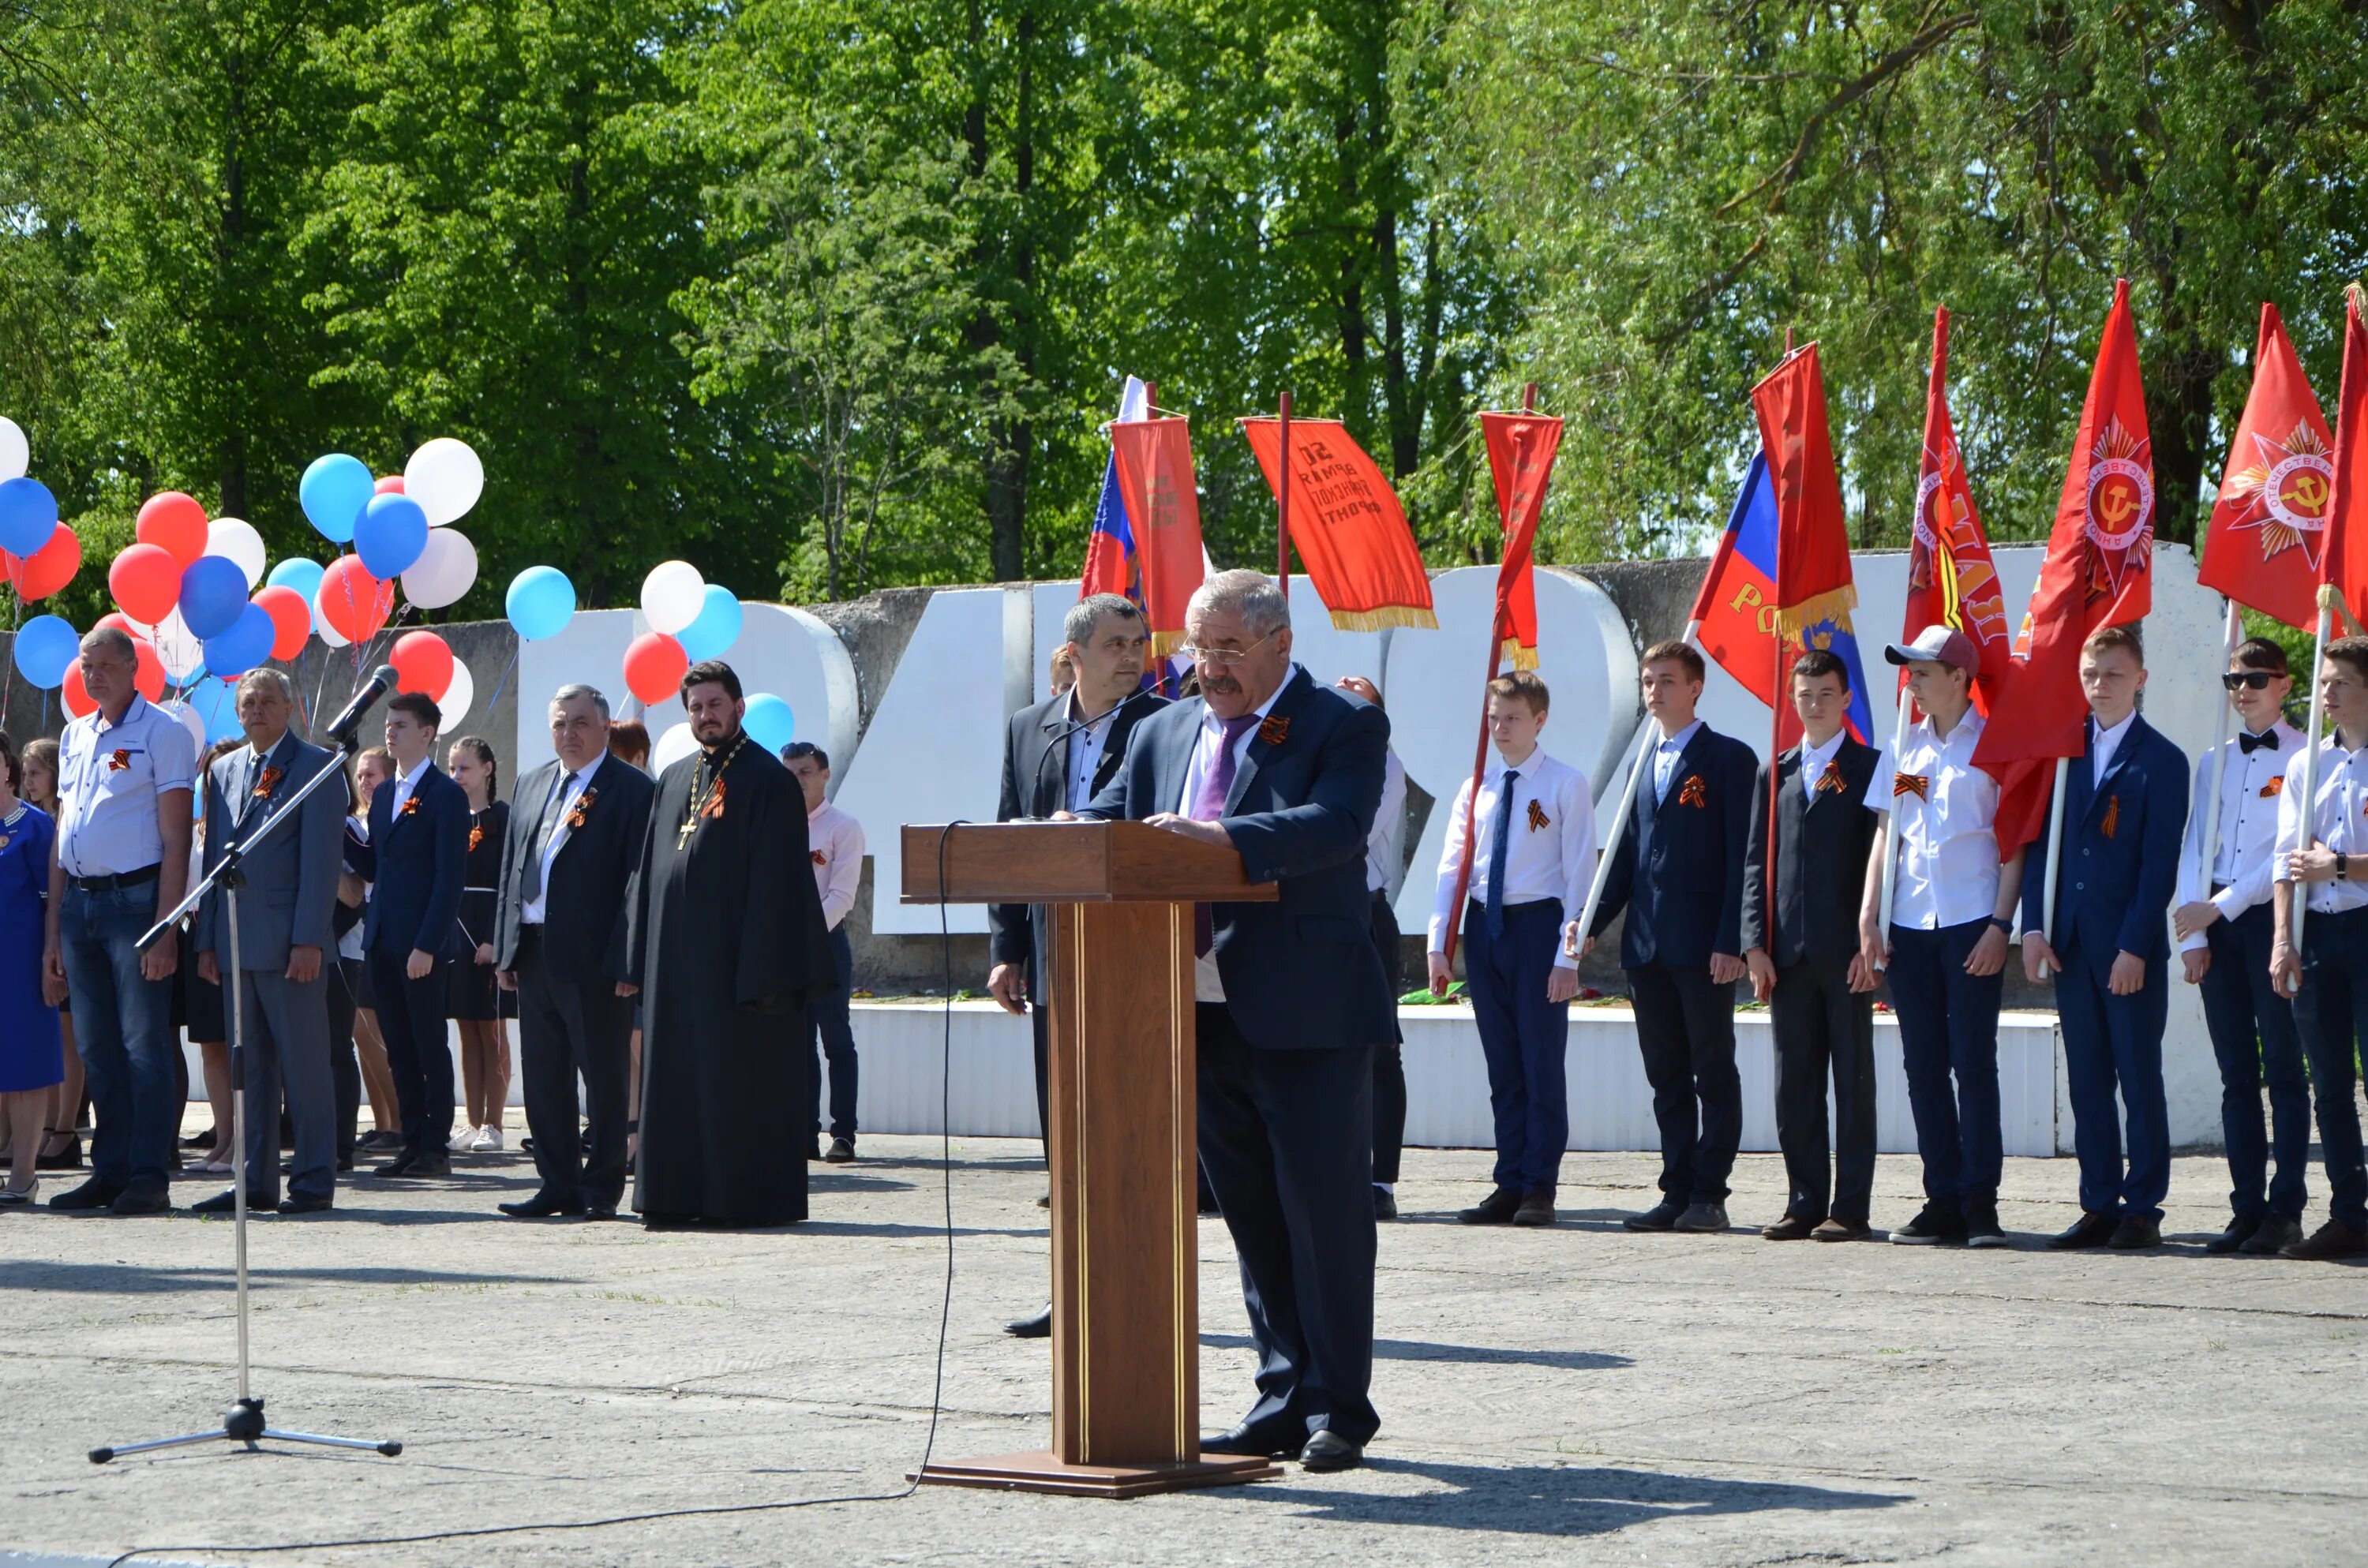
{"x":1558,"y":1500}
{"x":108,"y":1278}
{"x":1470,"y":1354}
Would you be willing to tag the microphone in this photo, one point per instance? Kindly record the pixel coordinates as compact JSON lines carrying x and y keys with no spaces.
{"x":382,"y":681}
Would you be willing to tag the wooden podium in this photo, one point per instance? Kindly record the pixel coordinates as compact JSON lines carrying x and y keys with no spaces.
{"x":1126,"y":1325}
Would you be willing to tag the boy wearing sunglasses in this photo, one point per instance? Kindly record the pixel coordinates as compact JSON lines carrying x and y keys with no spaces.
{"x":2226,"y":924}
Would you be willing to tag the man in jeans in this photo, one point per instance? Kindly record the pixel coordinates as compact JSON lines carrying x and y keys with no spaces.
{"x":125,"y":776}
{"x":835,"y":844}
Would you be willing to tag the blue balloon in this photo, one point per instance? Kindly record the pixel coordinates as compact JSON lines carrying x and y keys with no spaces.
{"x":390,"y":534}
{"x":299,"y":573}
{"x":46,"y":645}
{"x":29,"y":516}
{"x":333,"y":493}
{"x":213,"y":592}
{"x":540,"y":602}
{"x":769,"y":722}
{"x":216,"y":705}
{"x":717,"y":628}
{"x":246,"y":644}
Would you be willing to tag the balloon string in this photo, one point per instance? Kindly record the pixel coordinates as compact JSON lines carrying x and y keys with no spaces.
{"x":496,"y":697}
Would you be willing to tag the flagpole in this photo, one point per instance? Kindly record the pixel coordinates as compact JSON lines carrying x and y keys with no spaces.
{"x":2309,"y":805}
{"x":2055,"y":858}
{"x":1635,"y":760}
{"x":1282,"y":501}
{"x":1891,"y":831}
{"x":2207,"y":847}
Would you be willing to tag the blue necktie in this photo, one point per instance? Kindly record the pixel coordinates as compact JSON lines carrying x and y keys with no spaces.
{"x":1493,"y":911}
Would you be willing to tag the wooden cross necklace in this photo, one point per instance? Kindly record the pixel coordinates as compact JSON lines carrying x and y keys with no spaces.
{"x":703,"y":802}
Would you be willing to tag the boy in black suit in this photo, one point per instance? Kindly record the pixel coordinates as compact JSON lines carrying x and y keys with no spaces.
{"x":1800,"y":942}
{"x":1681,"y":865}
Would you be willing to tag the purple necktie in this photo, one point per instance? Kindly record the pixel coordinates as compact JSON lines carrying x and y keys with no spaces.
{"x":1208,"y":805}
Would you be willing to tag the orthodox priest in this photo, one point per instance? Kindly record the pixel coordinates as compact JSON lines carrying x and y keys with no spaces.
{"x":728,"y":943}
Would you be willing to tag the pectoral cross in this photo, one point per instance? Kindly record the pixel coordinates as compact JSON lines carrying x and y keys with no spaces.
{"x":682,"y":834}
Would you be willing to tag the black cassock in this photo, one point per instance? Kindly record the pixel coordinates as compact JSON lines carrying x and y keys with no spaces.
{"x":728,"y":943}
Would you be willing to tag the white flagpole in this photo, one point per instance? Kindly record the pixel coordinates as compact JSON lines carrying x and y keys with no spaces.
{"x":2309,"y":804}
{"x":1636,"y":752}
{"x":2055,"y":858}
{"x":2207,"y":850}
{"x":1891,"y":827}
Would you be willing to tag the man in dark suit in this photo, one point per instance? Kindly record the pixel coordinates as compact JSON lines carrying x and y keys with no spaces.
{"x":1678,"y":873}
{"x":417,"y":853}
{"x":286,"y":909}
{"x":2109,"y":945}
{"x":559,"y":942}
{"x":1292,"y":1002}
{"x":1803,"y":953}
{"x":1057,"y":755}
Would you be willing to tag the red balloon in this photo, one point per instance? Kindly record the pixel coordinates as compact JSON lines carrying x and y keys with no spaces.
{"x":354,"y":603}
{"x":655,"y":663}
{"x":148,"y":679}
{"x":176,"y":522}
{"x":146,"y":581}
{"x":291,"y":620}
{"x":76,"y":695}
{"x":122,"y":623}
{"x":48,"y":569}
{"x":422,"y":662}
{"x":391,"y":485}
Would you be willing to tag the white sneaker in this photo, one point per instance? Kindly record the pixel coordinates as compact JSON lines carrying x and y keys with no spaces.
{"x":463,"y":1140}
{"x":488,"y":1142}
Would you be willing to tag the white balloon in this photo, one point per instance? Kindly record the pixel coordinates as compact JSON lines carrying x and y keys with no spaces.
{"x":188,"y":715}
{"x":672,"y":747}
{"x":15,"y":455}
{"x":323,"y":630}
{"x":672,"y":595}
{"x":445,"y":478}
{"x":444,"y":570}
{"x":235,"y":541}
{"x":457,"y":697}
{"x":177,"y":648}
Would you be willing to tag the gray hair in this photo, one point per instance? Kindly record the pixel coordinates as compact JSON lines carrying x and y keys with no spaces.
{"x":1078,"y":626}
{"x":1249,"y":595}
{"x":575,"y":689}
{"x":264,"y":675}
{"x":113,"y":640}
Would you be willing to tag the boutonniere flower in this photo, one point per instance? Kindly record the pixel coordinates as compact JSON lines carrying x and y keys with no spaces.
{"x":267,"y":783}
{"x":816,"y":855}
{"x":583,"y":803}
{"x":2275,"y":787}
{"x":1694,"y":792}
{"x":118,"y":761}
{"x":1537,"y":817}
{"x":2112,"y":815}
{"x":476,"y":836}
{"x":1275,"y":730}
{"x":410,"y":807}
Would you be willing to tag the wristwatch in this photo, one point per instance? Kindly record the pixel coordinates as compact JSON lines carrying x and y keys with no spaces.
{"x":2342,"y":860}
{"x":2003,"y":923}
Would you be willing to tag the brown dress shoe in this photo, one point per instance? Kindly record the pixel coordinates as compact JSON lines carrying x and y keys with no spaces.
{"x":2334,"y":1239}
{"x":1841,"y":1231}
{"x":1791,"y":1228}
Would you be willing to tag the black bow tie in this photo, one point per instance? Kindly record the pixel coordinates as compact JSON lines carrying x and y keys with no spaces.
{"x":2248,"y":743}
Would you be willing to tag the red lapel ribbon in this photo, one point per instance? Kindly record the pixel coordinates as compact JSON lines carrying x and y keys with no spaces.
{"x":2112,"y":815}
{"x":1694,"y":793}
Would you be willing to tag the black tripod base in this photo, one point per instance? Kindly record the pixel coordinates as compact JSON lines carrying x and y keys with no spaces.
{"x":242,"y":1423}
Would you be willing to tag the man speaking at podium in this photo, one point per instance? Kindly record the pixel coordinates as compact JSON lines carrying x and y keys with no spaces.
{"x":1291,"y":1001}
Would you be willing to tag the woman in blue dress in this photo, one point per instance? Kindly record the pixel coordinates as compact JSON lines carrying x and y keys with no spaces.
{"x":31,"y":1059}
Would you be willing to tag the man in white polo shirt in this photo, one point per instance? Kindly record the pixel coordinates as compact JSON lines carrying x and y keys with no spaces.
{"x":125,"y":777}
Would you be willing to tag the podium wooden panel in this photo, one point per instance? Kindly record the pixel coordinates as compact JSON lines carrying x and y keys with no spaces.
{"x":1126,"y":1320}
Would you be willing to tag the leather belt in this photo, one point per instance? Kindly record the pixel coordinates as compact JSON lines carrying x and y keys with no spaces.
{"x":108,"y":884}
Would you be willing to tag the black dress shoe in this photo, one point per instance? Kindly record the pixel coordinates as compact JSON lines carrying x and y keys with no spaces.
{"x":1328,"y":1452}
{"x":2276,"y":1234}
{"x":1497,"y":1209}
{"x":1272,"y":1441}
{"x":66,"y":1159}
{"x":1791,"y":1228}
{"x":399,"y":1166}
{"x":2334,"y":1239}
{"x":1661,"y":1216}
{"x":2241,"y":1229}
{"x":1040,"y":1326}
{"x":220,"y":1203}
{"x":2091,"y":1230}
{"x":600,"y":1211}
{"x":1386,"y":1203}
{"x":141,"y":1198}
{"x":541,"y":1206}
{"x":1536,"y":1213}
{"x":2135,"y":1233}
{"x":92,"y":1194}
{"x":294,"y":1205}
{"x":430,"y":1163}
{"x":841,"y":1152}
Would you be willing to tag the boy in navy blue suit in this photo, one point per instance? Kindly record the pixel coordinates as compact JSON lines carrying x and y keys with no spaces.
{"x":1679,"y":872}
{"x":2109,"y":945}
{"x":417,"y":852}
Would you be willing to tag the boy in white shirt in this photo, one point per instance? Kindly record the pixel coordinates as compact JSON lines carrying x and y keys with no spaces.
{"x":834,"y":845}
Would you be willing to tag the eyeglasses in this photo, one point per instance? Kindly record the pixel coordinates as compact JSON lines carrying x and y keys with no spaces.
{"x":2255,"y":680}
{"x":1223,"y":658}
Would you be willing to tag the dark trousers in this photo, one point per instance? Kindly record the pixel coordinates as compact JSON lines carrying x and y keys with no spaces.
{"x":1389,"y":1061}
{"x":411,"y":1015}
{"x":283,"y":1053}
{"x":2327,"y":1015}
{"x":1685,"y":1030}
{"x":836,"y":1031}
{"x":1821,"y":1026}
{"x":1948,"y":1028}
{"x":123,"y":1032}
{"x":1524,"y":1039}
{"x":1286,"y":1141}
{"x":344,"y":1068}
{"x":2115,"y":1043}
{"x":569,"y":1029}
{"x":1039,"y":1032}
{"x":2253,"y":1036}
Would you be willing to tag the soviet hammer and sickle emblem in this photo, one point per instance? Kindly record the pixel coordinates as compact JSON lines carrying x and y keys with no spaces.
{"x":2307,"y":492}
{"x":2115,"y":504}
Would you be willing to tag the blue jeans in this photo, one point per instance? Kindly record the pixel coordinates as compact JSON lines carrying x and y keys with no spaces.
{"x":838,"y":1031}
{"x":1948,"y":1030}
{"x":124,"y":1030}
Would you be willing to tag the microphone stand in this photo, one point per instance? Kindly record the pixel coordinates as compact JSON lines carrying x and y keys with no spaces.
{"x":243,"y":1422}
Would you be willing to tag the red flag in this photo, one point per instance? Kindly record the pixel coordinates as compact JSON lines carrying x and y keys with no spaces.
{"x":2268,"y":535}
{"x":1351,"y":533}
{"x":1815,"y":593}
{"x":1522,"y":450}
{"x":1950,"y":580}
{"x":2346,"y":563}
{"x":1163,"y":513}
{"x":2099,"y":571}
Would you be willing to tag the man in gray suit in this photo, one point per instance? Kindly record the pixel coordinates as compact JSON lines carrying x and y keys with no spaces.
{"x":285,"y":907}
